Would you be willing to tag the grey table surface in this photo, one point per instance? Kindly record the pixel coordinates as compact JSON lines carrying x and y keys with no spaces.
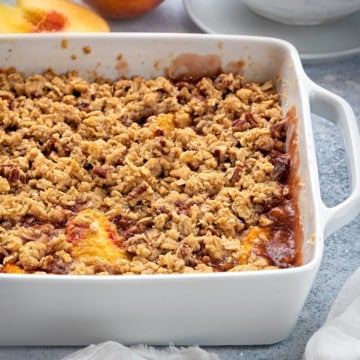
{"x":342,"y":249}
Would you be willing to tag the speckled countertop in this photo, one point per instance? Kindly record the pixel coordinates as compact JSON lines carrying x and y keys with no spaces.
{"x":342,"y":249}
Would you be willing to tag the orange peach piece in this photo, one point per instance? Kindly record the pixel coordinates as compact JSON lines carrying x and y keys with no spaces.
{"x":123,"y":9}
{"x":94,"y":235}
{"x":166,"y":121}
{"x":9,"y":268}
{"x":250,"y":241}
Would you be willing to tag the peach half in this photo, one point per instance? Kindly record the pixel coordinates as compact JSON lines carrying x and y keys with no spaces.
{"x":34,"y":16}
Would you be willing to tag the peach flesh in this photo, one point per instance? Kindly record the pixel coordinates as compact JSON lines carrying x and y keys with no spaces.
{"x":50,"y":21}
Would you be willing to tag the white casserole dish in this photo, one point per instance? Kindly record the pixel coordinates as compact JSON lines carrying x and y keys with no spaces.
{"x":206,"y":309}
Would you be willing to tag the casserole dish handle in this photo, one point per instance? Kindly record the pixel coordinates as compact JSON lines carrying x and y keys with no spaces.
{"x":334,"y":108}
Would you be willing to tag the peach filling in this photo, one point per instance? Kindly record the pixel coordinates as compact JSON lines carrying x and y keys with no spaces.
{"x":93,"y":235}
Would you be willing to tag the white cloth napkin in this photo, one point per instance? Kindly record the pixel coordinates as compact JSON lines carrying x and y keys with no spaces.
{"x":339,"y":337}
{"x":114,"y":351}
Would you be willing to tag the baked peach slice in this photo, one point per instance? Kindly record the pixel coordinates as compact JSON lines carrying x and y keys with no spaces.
{"x":34,"y":16}
{"x":94,"y":235}
{"x":10,"y":268}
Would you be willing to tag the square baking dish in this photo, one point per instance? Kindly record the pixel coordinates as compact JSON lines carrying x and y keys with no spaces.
{"x":253,"y":307}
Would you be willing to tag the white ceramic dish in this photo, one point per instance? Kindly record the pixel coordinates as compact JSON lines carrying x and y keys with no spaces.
{"x":207,"y":309}
{"x":314,"y":43}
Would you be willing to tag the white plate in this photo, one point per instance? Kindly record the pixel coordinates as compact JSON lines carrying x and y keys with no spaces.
{"x":331,"y":41}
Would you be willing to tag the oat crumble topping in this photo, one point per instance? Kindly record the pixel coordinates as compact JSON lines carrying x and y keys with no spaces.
{"x":143,"y":176}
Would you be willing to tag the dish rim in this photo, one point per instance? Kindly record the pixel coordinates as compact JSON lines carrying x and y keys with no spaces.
{"x":313,"y":177}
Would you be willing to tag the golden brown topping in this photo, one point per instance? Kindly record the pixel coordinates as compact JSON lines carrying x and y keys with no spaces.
{"x":142,"y":176}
